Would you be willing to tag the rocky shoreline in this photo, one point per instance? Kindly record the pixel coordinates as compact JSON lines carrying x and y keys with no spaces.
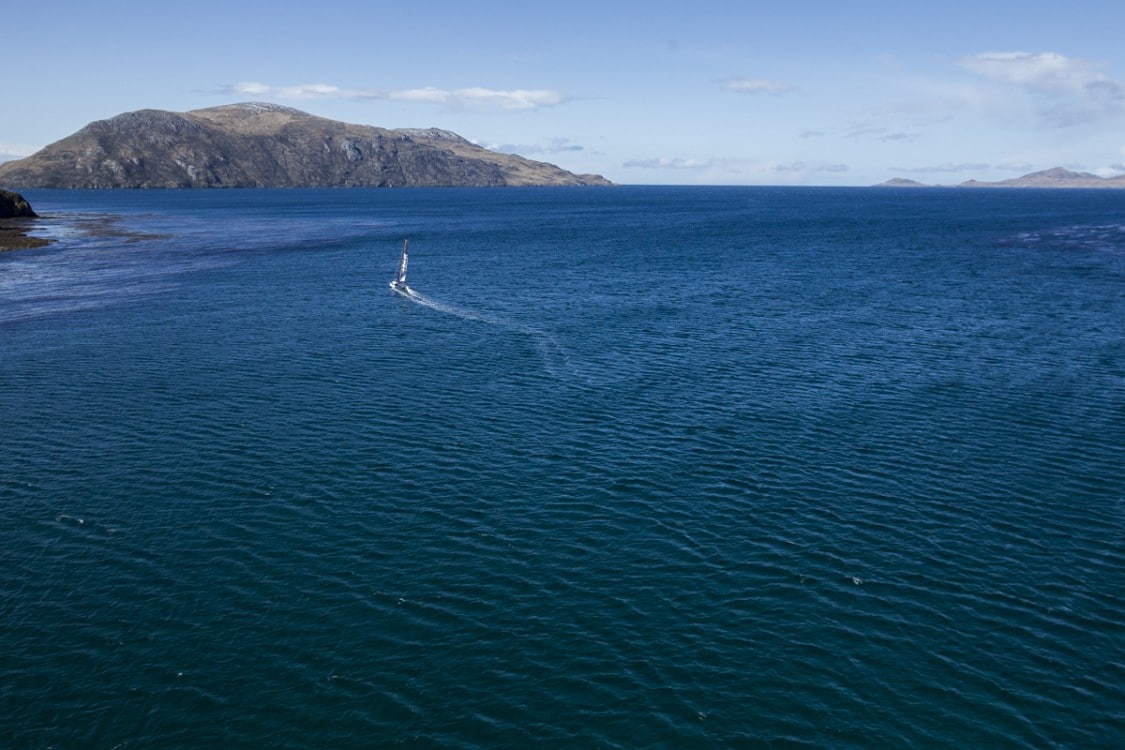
{"x":15,"y":238}
{"x":13,"y":234}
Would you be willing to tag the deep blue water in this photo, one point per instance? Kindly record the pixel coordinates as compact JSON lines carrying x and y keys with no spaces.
{"x":685,"y":467}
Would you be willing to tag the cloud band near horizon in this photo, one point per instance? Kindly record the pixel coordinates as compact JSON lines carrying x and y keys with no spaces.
{"x":475,"y":97}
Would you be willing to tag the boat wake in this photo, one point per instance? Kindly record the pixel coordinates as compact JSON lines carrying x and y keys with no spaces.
{"x":556,"y":360}
{"x":443,"y":307}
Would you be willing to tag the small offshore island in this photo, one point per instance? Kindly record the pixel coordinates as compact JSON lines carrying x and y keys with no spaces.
{"x":15,"y":206}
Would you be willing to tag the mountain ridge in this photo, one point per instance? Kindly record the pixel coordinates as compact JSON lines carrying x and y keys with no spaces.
{"x":254,"y":144}
{"x":1056,"y":177}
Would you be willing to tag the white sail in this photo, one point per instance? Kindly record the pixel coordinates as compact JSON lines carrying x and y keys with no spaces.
{"x":401,"y":278}
{"x":399,"y":282}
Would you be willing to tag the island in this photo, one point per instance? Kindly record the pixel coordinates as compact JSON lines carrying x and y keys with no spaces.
{"x":258,"y":145}
{"x":1057,"y":177}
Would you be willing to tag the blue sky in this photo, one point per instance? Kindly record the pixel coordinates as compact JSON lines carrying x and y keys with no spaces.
{"x":688,"y":92}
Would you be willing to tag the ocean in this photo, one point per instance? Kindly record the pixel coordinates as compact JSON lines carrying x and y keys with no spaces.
{"x":637,"y":467}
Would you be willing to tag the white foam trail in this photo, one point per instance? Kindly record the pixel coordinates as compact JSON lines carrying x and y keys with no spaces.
{"x":556,"y":360}
{"x":416,"y":296}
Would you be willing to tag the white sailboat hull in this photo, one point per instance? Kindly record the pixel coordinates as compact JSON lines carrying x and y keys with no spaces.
{"x":400,"y":288}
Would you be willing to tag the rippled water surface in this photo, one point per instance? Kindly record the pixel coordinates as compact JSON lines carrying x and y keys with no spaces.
{"x":637,"y":467}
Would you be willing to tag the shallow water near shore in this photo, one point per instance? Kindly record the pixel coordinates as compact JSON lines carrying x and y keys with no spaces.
{"x":639,"y":466}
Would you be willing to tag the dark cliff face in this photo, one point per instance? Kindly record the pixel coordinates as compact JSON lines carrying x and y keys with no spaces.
{"x":14,"y":205}
{"x":262,"y":145}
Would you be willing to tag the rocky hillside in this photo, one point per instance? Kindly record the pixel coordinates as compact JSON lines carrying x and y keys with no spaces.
{"x":266,"y":145}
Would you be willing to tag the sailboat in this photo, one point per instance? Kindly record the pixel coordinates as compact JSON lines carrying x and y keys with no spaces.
{"x":398,"y":283}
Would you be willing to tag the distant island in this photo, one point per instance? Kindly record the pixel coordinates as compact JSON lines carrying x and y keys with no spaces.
{"x":1048,"y":178}
{"x":267,"y":145}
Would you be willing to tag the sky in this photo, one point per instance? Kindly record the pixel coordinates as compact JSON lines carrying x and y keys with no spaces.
{"x":691,"y":92}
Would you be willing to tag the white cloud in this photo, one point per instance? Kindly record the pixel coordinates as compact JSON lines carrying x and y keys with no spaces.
{"x":1068,"y":91}
{"x":11,"y":151}
{"x":741,"y":171}
{"x":665,"y":162}
{"x":1109,"y":170}
{"x":302,"y":91}
{"x":471,"y":98}
{"x":1039,"y":71}
{"x":947,"y":168}
{"x":737,"y":166}
{"x":553,"y":146}
{"x":900,"y":137}
{"x":901,"y":123}
{"x":465,"y":98}
{"x":757,"y":86}
{"x":800,"y":166}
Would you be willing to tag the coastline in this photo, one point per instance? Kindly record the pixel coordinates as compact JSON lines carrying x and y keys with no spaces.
{"x":14,"y":207}
{"x":15,"y":237}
